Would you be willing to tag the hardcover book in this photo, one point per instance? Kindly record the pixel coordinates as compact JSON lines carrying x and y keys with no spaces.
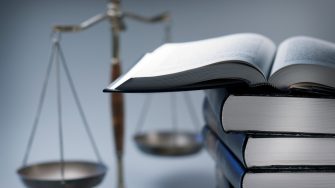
{"x":241,"y":177}
{"x":273,"y":113}
{"x":256,"y":150}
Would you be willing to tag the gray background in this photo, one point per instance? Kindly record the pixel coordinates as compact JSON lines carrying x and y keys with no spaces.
{"x":25,"y":47}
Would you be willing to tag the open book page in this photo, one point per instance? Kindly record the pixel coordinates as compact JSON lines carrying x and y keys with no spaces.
{"x":254,"y":49}
{"x":130,"y":73}
{"x":304,"y":50}
{"x":304,"y":59}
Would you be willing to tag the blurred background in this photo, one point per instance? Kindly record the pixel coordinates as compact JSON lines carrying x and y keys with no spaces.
{"x":25,"y":47}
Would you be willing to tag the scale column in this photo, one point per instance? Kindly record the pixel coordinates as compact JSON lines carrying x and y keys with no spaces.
{"x":117,"y":101}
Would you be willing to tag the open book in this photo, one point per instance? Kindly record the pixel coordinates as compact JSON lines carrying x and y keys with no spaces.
{"x":300,"y":62}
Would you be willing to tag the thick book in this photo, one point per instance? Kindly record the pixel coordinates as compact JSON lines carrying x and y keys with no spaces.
{"x":300,"y":62}
{"x":273,"y":113}
{"x":256,"y":150}
{"x":241,"y":177}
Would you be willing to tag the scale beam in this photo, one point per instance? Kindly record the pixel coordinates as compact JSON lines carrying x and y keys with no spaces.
{"x":83,"y":25}
{"x":155,"y":19}
{"x":114,"y":15}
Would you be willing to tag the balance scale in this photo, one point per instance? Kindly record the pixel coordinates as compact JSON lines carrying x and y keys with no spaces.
{"x":86,"y":174}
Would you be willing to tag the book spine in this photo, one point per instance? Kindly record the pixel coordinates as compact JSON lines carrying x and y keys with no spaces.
{"x":232,"y":169}
{"x":216,"y":99}
{"x":236,"y":142}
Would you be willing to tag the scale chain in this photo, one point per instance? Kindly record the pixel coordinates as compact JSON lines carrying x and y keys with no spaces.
{"x":40,"y":106}
{"x":191,"y":110}
{"x":57,"y":58}
{"x":174,"y":113}
{"x":167,"y":30}
{"x":144,"y":112}
{"x":60,"y":118}
{"x":78,"y":103}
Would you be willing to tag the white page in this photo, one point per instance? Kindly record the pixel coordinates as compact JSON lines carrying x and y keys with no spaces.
{"x":304,"y":50}
{"x":304,"y":62}
{"x":177,"y":57}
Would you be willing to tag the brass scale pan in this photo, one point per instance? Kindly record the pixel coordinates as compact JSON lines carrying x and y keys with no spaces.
{"x":77,"y":174}
{"x":169,"y":143}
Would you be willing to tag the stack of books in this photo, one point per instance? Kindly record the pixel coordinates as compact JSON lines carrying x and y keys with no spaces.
{"x":269,"y":111}
{"x":270,"y":141}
